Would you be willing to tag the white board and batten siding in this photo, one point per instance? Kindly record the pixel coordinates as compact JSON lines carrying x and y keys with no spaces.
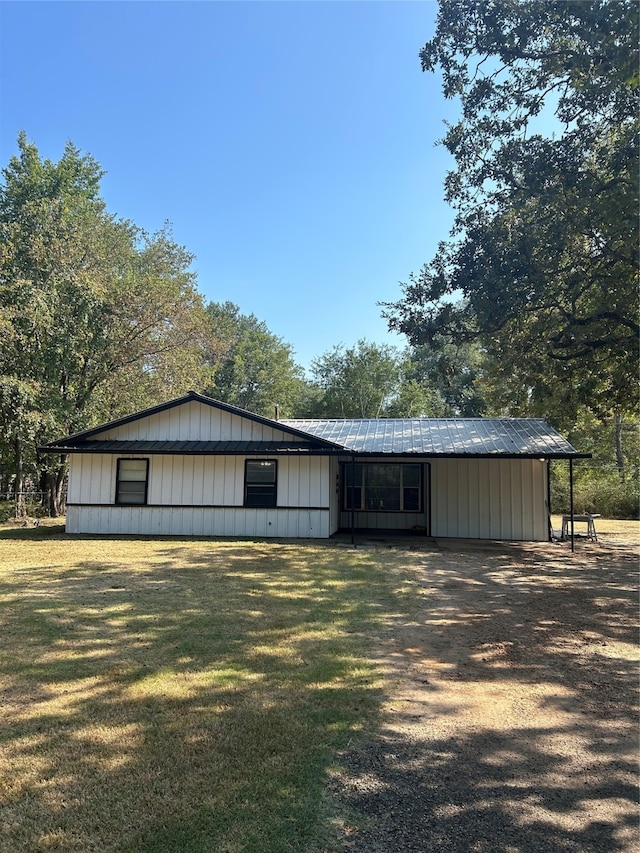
{"x":199,"y":521}
{"x":195,"y":422}
{"x":489,"y":499}
{"x":200,"y":495}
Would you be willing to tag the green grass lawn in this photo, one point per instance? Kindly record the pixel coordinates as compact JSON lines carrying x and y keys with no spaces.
{"x":179,"y":695}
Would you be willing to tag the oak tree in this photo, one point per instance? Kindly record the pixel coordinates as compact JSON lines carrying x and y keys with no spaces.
{"x":542,"y":262}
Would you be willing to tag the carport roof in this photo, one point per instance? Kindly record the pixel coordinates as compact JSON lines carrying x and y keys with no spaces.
{"x":453,"y":437}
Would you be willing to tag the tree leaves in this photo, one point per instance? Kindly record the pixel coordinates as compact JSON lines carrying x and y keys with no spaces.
{"x":543,"y":254}
{"x":252,"y":368}
{"x":90,"y":304}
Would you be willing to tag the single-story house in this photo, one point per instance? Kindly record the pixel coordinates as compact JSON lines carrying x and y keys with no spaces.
{"x":197,"y":466}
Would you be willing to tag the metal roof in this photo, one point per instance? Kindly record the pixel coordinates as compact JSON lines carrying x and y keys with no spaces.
{"x":453,"y":437}
{"x":530,"y":437}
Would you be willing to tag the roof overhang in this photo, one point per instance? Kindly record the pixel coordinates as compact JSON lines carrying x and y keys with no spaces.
{"x":266,"y":448}
{"x":190,"y":448}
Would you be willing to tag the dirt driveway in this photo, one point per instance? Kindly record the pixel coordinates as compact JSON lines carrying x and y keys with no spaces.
{"x":512,"y":722}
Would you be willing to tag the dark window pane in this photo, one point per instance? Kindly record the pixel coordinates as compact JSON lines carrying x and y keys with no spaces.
{"x":131,"y":487}
{"x":411,"y":475}
{"x":130,"y":498}
{"x":261,"y":472}
{"x":383,"y":475}
{"x":260,"y":484}
{"x":257,"y":496}
{"x":382,"y":499}
{"x":411,"y":500}
{"x":353,"y":474}
{"x":381,"y":487}
{"x":357,"y":496}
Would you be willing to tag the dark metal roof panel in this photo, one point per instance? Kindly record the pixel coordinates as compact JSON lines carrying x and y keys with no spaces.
{"x":442,"y":436}
{"x":185,"y":448}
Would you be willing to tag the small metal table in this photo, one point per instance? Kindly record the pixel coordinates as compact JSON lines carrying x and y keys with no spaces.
{"x":587,"y":517}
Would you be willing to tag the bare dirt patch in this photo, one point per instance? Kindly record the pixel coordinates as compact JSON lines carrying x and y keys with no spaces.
{"x":511,"y":722}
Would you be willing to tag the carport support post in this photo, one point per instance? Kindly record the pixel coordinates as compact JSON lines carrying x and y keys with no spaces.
{"x":353,"y":488}
{"x":549,"y":508}
{"x":573,"y":541}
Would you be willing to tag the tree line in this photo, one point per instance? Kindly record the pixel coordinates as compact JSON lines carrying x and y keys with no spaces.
{"x":530,"y":308}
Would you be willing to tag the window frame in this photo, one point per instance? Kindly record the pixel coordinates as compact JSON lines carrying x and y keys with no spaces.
{"x":250,"y":486}
{"x":361,"y":487}
{"x":119,"y":501}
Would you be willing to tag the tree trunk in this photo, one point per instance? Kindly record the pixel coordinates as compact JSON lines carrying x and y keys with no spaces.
{"x":58,"y":503}
{"x":50,"y":491}
{"x":19,"y":481}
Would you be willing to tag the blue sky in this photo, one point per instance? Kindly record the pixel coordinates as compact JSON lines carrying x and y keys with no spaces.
{"x":290,"y":144}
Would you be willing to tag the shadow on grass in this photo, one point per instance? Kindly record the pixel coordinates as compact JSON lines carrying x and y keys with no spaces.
{"x":487,"y":792}
{"x":560,"y":773}
{"x":191,"y":695}
{"x":190,"y":699}
{"x":31,"y":532}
